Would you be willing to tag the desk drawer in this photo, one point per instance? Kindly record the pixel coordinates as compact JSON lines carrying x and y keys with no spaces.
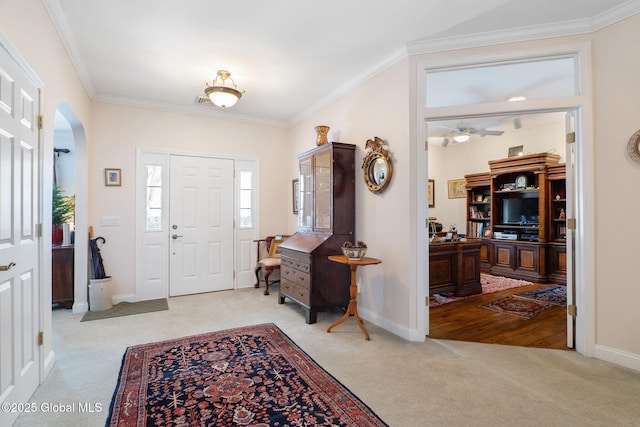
{"x":296,"y":264}
{"x":294,"y":291}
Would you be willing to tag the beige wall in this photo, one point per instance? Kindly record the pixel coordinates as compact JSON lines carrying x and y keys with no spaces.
{"x":119,"y":130}
{"x":376,"y":108}
{"x":379,"y":107}
{"x":27,"y":28}
{"x":617,"y":231}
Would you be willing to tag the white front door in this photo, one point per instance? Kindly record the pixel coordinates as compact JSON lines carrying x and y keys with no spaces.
{"x":19,"y":255}
{"x":201,"y":225}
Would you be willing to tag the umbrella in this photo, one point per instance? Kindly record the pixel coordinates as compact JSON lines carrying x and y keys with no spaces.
{"x":96,"y":258}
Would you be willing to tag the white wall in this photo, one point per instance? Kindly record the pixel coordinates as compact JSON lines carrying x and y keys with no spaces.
{"x":457,"y":160}
{"x":119,"y":130}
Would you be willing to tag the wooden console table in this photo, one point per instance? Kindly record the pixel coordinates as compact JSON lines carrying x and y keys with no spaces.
{"x":352,"y":309}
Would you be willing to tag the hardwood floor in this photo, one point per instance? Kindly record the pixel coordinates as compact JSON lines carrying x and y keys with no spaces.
{"x":465,"y":320}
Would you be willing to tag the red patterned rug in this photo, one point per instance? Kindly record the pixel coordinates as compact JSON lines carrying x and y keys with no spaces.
{"x":521,"y":307}
{"x":490,"y":284}
{"x":254,"y":375}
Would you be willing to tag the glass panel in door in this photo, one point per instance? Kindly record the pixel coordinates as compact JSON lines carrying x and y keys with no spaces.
{"x":323,"y":191}
{"x":305,"y":182}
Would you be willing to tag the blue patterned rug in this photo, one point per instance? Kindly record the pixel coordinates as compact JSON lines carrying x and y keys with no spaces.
{"x":556,"y":295}
{"x":253,"y":375}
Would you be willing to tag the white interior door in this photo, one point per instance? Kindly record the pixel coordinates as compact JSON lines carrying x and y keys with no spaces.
{"x":571,"y":232}
{"x":19,"y":255}
{"x":201,"y":225}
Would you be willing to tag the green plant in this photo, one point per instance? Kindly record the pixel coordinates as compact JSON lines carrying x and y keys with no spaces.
{"x":63,"y":207}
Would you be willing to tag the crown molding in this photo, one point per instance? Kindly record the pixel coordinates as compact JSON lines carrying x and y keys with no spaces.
{"x":200,"y":110}
{"x":534,"y":32}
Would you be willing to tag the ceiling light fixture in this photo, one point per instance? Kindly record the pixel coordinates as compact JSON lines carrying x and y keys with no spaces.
{"x":463,"y":137}
{"x":445,"y":142}
{"x":220,"y":94}
{"x":517,"y":98}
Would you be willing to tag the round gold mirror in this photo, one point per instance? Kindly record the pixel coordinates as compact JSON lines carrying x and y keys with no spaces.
{"x":376,"y":166}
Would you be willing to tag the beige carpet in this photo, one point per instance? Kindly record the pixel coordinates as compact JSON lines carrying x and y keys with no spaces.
{"x":127,"y":309}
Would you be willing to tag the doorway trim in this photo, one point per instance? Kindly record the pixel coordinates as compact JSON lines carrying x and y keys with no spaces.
{"x":584,"y":185}
{"x":243,"y":246}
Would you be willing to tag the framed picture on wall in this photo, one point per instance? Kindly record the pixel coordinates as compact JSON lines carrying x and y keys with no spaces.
{"x":112,"y":177}
{"x":431,"y":193}
{"x":457,"y":188}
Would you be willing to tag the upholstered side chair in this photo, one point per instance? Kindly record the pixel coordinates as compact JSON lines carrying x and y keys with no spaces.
{"x":268,"y":260}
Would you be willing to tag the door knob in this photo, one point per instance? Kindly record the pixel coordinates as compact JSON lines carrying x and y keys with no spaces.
{"x":175,"y":236}
{"x":7,"y":267}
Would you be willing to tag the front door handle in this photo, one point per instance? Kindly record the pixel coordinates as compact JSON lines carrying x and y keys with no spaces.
{"x":7,"y":267}
{"x":175,"y":236}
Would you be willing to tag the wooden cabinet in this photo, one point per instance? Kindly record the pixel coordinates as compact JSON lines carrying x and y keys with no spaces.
{"x":557,"y":208}
{"x":479,"y":215}
{"x":524,"y":235}
{"x":326,"y":219}
{"x":62,"y":275}
{"x":518,"y":210}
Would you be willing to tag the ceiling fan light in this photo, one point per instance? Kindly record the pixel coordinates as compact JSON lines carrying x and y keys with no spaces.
{"x":463,"y":137}
{"x":445,"y":142}
{"x":221,"y":95}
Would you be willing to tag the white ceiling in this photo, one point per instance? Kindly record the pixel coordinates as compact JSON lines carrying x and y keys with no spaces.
{"x":291,"y":57}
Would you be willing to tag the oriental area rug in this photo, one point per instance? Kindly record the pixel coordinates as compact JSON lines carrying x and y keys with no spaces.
{"x":521,"y":307}
{"x":531,"y":303}
{"x":253,"y":375}
{"x":490,"y":284}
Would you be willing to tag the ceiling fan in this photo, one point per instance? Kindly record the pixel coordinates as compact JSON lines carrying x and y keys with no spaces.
{"x":463,"y":131}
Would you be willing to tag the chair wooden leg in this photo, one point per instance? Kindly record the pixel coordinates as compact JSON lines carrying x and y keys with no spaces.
{"x":257,"y":271}
{"x":267,"y":273}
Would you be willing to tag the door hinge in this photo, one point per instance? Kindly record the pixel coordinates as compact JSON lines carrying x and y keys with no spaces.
{"x":426,"y":300}
{"x":426,"y":146}
{"x":571,"y":137}
{"x":571,"y":223}
{"x":38,"y":230}
{"x":40,"y":122}
{"x":234,"y":275}
{"x":40,"y":338}
{"x":572,"y":310}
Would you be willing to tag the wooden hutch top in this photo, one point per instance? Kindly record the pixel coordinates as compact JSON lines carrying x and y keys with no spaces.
{"x":536,"y":162}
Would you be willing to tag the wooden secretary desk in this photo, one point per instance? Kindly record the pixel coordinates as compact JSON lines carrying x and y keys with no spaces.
{"x":326,"y":219}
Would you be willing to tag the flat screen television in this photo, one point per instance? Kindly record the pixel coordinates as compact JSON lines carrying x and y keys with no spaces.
{"x":520,"y":211}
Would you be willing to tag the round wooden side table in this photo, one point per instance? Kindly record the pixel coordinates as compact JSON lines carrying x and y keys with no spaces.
{"x":352,"y":309}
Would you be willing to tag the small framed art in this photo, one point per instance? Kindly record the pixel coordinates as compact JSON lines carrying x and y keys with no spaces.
{"x":112,"y":177}
{"x":457,"y":188}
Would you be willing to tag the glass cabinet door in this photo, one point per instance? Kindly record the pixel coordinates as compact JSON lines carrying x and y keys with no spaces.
{"x":322,"y":218}
{"x":305,"y":183}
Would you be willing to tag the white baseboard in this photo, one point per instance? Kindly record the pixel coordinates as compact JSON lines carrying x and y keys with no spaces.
{"x":394,"y":328}
{"x":619,"y":357}
{"x":80,"y":307}
{"x":49,"y":361}
{"x":117,"y":299}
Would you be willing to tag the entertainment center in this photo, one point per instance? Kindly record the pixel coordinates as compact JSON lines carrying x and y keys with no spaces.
{"x":517,"y":210}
